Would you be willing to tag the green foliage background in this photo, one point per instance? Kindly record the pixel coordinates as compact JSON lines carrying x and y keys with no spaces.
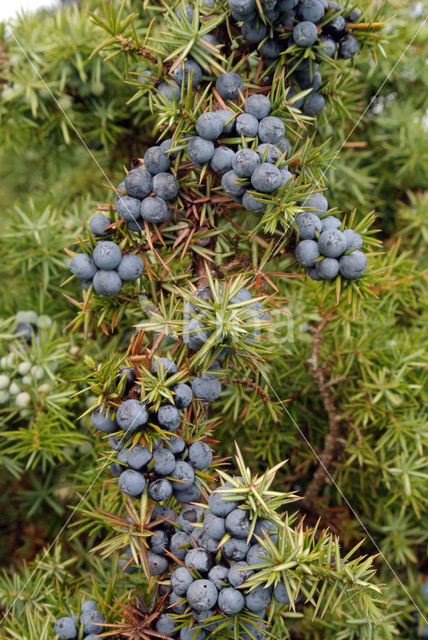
{"x":57,"y":148}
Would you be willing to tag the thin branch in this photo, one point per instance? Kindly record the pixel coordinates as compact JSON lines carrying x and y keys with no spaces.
{"x":321,"y":475}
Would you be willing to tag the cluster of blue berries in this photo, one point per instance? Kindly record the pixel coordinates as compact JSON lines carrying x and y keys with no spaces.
{"x":245,"y":171}
{"x":107,"y":269}
{"x":305,"y":23}
{"x":186,"y":70}
{"x":28,"y":323}
{"x":19,"y":373}
{"x":171,"y":88}
{"x":146,"y":192}
{"x":90,"y":619}
{"x":168,"y":466}
{"x":196,"y":332}
{"x":211,"y":574}
{"x":324,"y":249}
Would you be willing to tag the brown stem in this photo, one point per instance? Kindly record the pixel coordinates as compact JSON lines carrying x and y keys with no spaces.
{"x":322,"y":474}
{"x":253,"y":385}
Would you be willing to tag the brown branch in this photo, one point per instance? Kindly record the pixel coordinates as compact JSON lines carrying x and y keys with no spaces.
{"x":253,"y":385}
{"x":318,"y":371}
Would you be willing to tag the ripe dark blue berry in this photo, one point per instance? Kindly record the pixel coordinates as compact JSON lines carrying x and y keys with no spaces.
{"x":219,"y":575}
{"x":220,"y":505}
{"x":98,"y":224}
{"x":190,"y":494}
{"x":230,"y":601}
{"x":156,"y":160}
{"x":189,"y":633}
{"x":256,"y":554}
{"x":158,"y":541}
{"x":199,"y":455}
{"x":131,"y":415}
{"x":165,"y":185}
{"x":229,"y":85}
{"x":83,"y":267}
{"x":317,"y":202}
{"x":307,"y":252}
{"x":330,"y":222}
{"x":138,"y":457}
{"x":258,"y":599}
{"x":228,"y":118}
{"x":239,"y":573}
{"x":160,"y":489}
{"x":314,"y":103}
{"x":311,"y":10}
{"x":130,"y":268}
{"x":269,"y":152}
{"x":168,"y":417}
{"x":247,"y":125}
{"x":169,"y":366}
{"x":138,"y":183}
{"x":181,"y":579}
{"x":353,"y":239}
{"x":271,"y":129}
{"x":353,"y":265}
{"x":328,"y":268}
{"x":328,"y":46}
{"x":332,"y":243}
{"x":242,"y":8}
{"x":202,"y":595}
{"x":232,"y":184}
{"x":189,"y":516}
{"x":185,"y":70}
{"x":92,"y":621}
{"x":183,"y":476}
{"x":200,"y":150}
{"x":180,"y":544}
{"x":102,"y":419}
{"x":164,"y":462}
{"x":266,"y":178}
{"x":308,"y":224}
{"x":132,"y":483}
{"x":238,"y":523}
{"x":222,"y":160}
{"x":305,"y":34}
{"x":348,"y":47}
{"x":170,"y":90}
{"x":236,"y":549}
{"x":206,"y":387}
{"x":107,"y":255}
{"x":166,"y":624}
{"x":336,"y":28}
{"x":154,"y":209}
{"x":166,"y":147}
{"x":251,"y":204}
{"x":258,"y":105}
{"x":183,"y":395}
{"x":107,"y":283}
{"x":214,"y":526}
{"x":209,"y":125}
{"x":128,"y":208}
{"x":244,"y":162}
{"x":66,"y":628}
{"x":157,"y":564}
{"x":254,"y":30}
